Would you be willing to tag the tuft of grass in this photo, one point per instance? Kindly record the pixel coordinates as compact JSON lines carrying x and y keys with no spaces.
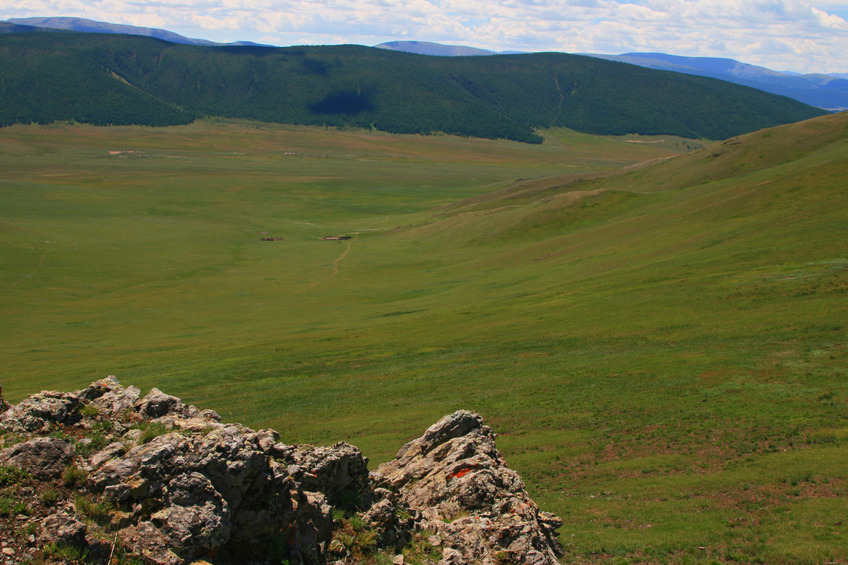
{"x":73,"y":476}
{"x":64,"y":552}
{"x":13,"y":507}
{"x":151,"y":430}
{"x":420,"y":550}
{"x":351,"y":538}
{"x":97,"y":440}
{"x":6,"y":505}
{"x":96,"y":510}
{"x":10,"y":439}
{"x":10,"y":475}
{"x":50,"y":496}
{"x":89,"y":410}
{"x":462,"y":513}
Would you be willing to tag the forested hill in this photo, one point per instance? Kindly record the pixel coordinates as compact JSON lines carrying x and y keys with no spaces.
{"x":115,"y":79}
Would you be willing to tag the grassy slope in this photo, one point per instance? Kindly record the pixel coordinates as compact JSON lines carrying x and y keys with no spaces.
{"x":663,"y":352}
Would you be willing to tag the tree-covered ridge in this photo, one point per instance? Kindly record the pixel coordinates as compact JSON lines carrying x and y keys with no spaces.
{"x":110,"y":79}
{"x":43,"y":81}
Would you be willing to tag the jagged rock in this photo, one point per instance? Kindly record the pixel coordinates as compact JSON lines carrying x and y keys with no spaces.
{"x":392,"y":525}
{"x":113,"y":472}
{"x":234,"y":465}
{"x":63,"y":529}
{"x":157,"y":404}
{"x":313,"y":527}
{"x":135,"y":488}
{"x":451,"y":556}
{"x":44,"y":457}
{"x":146,"y":541}
{"x":206,"y":489}
{"x":111,"y":398}
{"x":459,"y":482}
{"x":197,"y":518}
{"x":340,"y":471}
{"x":109,"y":452}
{"x":40,"y":411}
{"x":98,"y":388}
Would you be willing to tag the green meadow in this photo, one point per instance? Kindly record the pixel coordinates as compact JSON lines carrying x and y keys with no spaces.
{"x":656,"y":331}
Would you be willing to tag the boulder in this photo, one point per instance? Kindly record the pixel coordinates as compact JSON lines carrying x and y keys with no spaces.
{"x":62,"y":528}
{"x":44,"y":457}
{"x":457,"y":480}
{"x":340,"y":471}
{"x":112,"y":399}
{"x":197,"y":518}
{"x":40,"y":411}
{"x":158,"y":404}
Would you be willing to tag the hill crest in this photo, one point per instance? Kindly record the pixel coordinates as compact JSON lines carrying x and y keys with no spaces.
{"x":120,"y":79}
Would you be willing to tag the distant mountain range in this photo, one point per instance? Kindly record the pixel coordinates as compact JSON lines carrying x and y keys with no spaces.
{"x":439,"y":49}
{"x":92,"y":26}
{"x":828,"y":91}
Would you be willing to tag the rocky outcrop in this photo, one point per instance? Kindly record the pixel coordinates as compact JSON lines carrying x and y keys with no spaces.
{"x":455,"y":479}
{"x":42,"y":410}
{"x":107,"y":473}
{"x":44,"y":457}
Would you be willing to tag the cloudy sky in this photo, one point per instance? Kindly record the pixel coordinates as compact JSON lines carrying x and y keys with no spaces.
{"x":786,"y":35}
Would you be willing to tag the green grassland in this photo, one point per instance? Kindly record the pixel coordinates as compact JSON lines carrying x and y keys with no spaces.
{"x":661,"y":347}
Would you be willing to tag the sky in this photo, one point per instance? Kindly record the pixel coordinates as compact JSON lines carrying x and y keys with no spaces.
{"x":783,"y":35}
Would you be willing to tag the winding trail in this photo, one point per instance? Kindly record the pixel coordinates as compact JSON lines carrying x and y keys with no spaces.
{"x":336,"y":262}
{"x":333,"y":274}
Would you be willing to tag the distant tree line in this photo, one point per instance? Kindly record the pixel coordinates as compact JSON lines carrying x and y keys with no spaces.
{"x":117,"y":79}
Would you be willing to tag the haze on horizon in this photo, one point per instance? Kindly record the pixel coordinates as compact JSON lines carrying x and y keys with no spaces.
{"x":784,"y":35}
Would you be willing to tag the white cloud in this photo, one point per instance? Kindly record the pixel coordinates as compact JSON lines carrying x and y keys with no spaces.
{"x":830,"y":20}
{"x":780,"y":34}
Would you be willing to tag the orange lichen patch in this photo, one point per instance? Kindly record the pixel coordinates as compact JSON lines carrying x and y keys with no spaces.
{"x":461,"y":473}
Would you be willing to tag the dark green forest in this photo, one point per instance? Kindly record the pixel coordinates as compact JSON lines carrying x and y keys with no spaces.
{"x":120,"y":79}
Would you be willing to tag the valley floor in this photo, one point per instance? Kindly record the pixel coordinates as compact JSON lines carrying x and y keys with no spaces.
{"x":662,"y":349}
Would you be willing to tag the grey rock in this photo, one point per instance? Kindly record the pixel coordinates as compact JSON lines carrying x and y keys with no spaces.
{"x":107,"y":453}
{"x":44,"y":457}
{"x":113,"y":472}
{"x":111,"y":398}
{"x":313,"y":527}
{"x":392,"y":531}
{"x":135,"y":488}
{"x":40,"y":410}
{"x":98,"y":388}
{"x":62,"y":528}
{"x":145,"y":539}
{"x":457,"y":480}
{"x":205,"y":488}
{"x":198,"y":518}
{"x":157,"y":404}
{"x":458,"y":424}
{"x":340,"y":471}
{"x":234,"y":466}
{"x":451,"y":556}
